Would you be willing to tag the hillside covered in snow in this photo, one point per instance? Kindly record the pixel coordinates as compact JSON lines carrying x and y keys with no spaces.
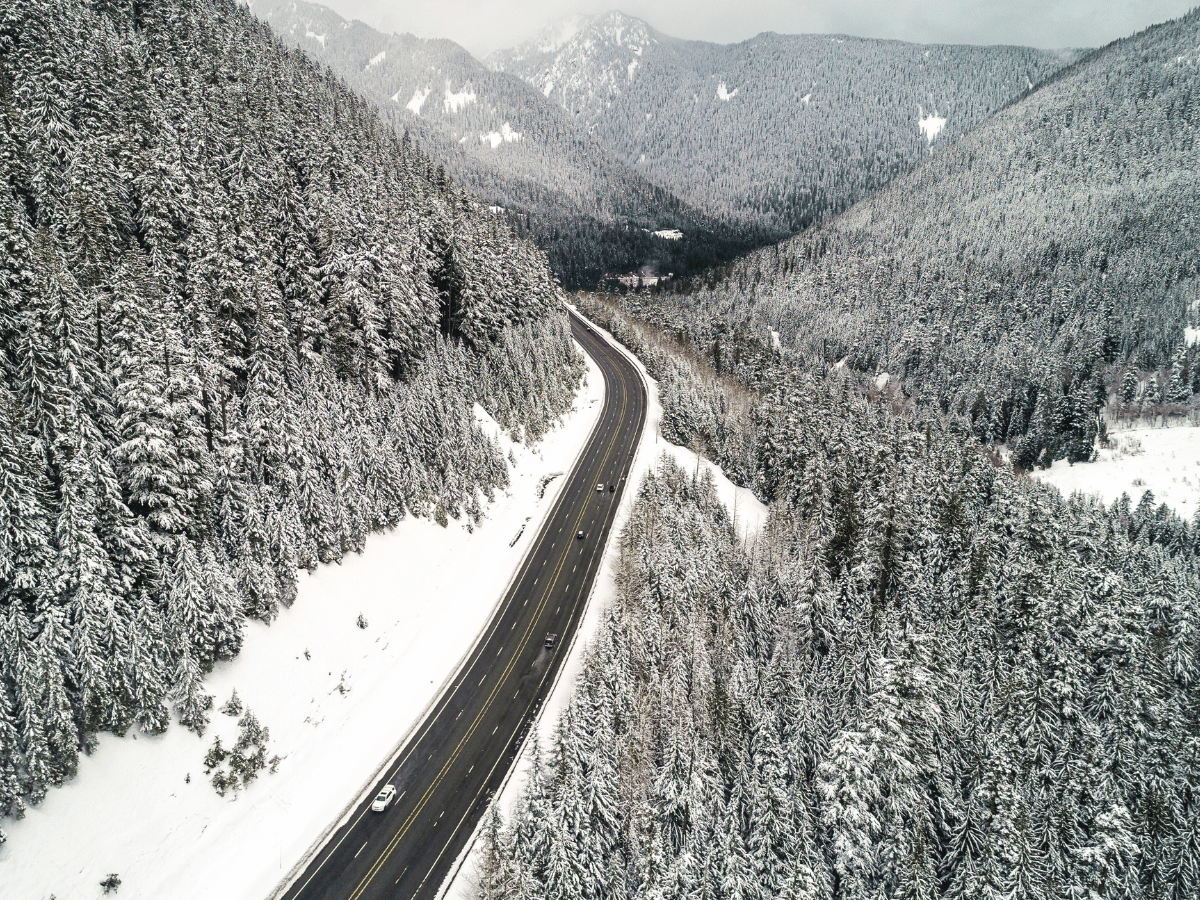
{"x":509,"y":145}
{"x":243,"y":324}
{"x":829,"y":118}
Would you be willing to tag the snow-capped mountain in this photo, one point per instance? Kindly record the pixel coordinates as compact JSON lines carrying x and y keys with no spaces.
{"x":582,"y":63}
{"x":507,"y":143}
{"x":829,"y":118}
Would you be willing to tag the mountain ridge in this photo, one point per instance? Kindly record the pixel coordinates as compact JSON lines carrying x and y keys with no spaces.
{"x":826,"y":126}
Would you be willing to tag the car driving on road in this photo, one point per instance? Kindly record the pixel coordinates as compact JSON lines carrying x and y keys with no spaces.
{"x":385,"y":798}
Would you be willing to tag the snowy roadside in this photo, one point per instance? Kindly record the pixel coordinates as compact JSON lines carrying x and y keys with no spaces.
{"x":335,"y":697}
{"x":749,"y":515}
{"x":1163,"y":460}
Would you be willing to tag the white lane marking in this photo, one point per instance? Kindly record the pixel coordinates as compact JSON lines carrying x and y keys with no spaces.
{"x":484,"y":676}
{"x":361,"y":849}
{"x":494,"y":729}
{"x":470,"y":770}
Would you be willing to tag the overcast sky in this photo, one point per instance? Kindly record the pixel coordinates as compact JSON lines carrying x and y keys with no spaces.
{"x":485,"y":25}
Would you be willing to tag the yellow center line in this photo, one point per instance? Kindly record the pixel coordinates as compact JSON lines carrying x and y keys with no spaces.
{"x":500,"y":759}
{"x":487,"y":705}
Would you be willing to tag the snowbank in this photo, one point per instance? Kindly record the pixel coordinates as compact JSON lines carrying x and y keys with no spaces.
{"x":505,"y":135}
{"x":418,"y":100}
{"x":931,"y":125}
{"x":1168,"y":464}
{"x":460,"y":100}
{"x":336,"y":698}
{"x":749,"y":515}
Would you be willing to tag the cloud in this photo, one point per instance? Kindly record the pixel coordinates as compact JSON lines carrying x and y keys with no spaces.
{"x":486,"y":25}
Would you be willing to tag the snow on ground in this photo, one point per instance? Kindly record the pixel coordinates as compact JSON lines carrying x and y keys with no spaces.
{"x":377,"y":58}
{"x":1191,"y":335}
{"x":505,"y":135}
{"x":725,"y":95}
{"x":806,"y":99}
{"x":749,"y":516}
{"x":456,"y":101}
{"x":418,"y":100}
{"x":669,"y":234}
{"x":336,"y":698}
{"x":316,"y":37}
{"x":931,"y":125}
{"x":1163,"y":460}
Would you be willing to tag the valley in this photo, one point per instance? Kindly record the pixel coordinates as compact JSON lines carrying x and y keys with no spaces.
{"x":833,"y":398}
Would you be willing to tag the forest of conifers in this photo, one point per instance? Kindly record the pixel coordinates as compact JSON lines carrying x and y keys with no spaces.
{"x":929,"y":676}
{"x":244,"y":322}
{"x":242,"y":325}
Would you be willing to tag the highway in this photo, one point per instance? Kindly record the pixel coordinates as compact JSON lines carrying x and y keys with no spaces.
{"x":458,"y":757}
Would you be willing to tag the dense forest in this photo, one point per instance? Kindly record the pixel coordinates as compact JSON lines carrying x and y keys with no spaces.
{"x":516,"y":151}
{"x":928,"y":677}
{"x":779,"y":130}
{"x":1018,"y":280}
{"x":242,"y":324}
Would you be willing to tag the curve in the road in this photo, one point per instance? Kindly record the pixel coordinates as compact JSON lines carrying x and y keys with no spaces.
{"x":456,"y":761}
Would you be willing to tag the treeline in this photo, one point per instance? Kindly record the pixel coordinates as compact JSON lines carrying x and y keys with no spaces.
{"x":927,"y":678}
{"x":242,"y":325}
{"x":1012,"y":279}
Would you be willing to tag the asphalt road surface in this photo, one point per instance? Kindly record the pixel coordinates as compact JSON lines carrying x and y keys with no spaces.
{"x":457,"y":759}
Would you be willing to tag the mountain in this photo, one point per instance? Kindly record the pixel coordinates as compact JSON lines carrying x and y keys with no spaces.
{"x":1014,"y":279}
{"x":927,"y":675}
{"x":242,"y":325}
{"x":511,"y":147}
{"x":779,"y":130}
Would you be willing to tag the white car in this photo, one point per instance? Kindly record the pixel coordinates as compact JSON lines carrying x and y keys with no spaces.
{"x":600,"y":488}
{"x":385,"y":798}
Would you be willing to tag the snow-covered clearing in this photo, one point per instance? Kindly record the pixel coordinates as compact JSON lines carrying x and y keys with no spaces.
{"x":1163,"y":460}
{"x":749,"y":516}
{"x":931,"y":125}
{"x":336,"y":698}
{"x":725,"y":95}
{"x":377,"y":58}
{"x":505,"y":135}
{"x":669,"y":234}
{"x":316,"y":37}
{"x":418,"y":100}
{"x":1191,"y":335}
{"x":460,"y":100}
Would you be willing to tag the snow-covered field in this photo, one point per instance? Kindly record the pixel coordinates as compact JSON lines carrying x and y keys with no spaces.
{"x":336,"y":698}
{"x":1163,"y":460}
{"x":749,"y":516}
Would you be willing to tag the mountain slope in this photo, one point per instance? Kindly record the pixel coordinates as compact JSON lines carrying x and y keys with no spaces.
{"x":242,"y":324}
{"x":509,"y":146}
{"x":829,"y":118}
{"x":1016,"y":278}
